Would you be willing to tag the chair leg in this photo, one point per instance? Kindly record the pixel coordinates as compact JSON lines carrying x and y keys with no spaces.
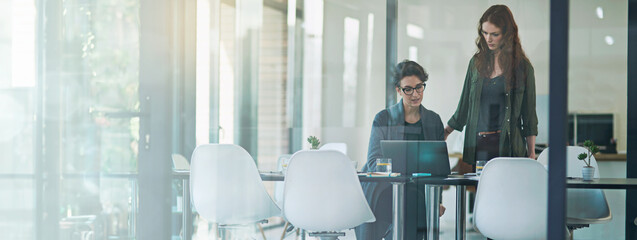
{"x":284,"y":228}
{"x":215,"y":230}
{"x":261,"y":230}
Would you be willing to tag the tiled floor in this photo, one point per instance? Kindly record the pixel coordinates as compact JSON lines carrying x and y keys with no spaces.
{"x":274,"y":229}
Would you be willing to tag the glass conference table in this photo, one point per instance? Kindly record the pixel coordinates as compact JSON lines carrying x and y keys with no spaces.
{"x":432,"y":193}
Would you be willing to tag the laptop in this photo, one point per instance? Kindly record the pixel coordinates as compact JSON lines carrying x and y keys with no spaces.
{"x":410,"y":157}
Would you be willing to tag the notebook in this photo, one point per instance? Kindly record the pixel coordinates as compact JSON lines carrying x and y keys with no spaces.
{"x":410,"y":157}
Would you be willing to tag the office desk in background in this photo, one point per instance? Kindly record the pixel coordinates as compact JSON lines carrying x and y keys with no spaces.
{"x":603,"y":183}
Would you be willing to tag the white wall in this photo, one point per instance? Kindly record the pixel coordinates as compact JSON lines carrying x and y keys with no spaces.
{"x":448,"y":43}
{"x":350,"y":100}
{"x":597,"y":71}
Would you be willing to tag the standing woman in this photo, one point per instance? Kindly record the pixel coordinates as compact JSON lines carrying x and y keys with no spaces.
{"x":497,"y":104}
{"x":406,"y":120}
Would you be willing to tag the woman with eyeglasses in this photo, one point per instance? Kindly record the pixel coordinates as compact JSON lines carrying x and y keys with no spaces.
{"x":497,"y":104}
{"x":406,"y":120}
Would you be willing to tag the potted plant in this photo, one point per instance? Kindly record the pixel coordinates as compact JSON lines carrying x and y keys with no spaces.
{"x":314,"y":142}
{"x":588,"y":170}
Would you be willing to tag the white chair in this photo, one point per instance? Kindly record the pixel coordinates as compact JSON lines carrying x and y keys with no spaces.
{"x":181,"y":169}
{"x":180,"y":162}
{"x":583,"y":206}
{"x":511,"y":200}
{"x":282,"y":163}
{"x":341,"y":147}
{"x":226,"y":187}
{"x":573,"y":165}
{"x":323,"y":195}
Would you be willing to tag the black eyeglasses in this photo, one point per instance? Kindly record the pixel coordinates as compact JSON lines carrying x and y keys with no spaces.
{"x":409,"y":90}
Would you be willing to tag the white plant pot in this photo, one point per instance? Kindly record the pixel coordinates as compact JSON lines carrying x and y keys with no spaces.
{"x":587,"y":173}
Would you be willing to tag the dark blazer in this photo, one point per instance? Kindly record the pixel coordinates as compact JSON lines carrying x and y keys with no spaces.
{"x":389,"y":124}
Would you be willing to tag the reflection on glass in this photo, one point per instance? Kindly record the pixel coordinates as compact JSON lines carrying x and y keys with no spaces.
{"x":17,"y":122}
{"x":350,"y":73}
{"x":17,"y":198}
{"x":99,"y":113}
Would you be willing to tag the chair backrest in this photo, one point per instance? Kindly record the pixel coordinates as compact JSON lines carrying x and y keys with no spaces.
{"x":180,"y":162}
{"x":584,"y":206}
{"x":511,"y":199}
{"x":341,"y":147}
{"x":284,"y":159}
{"x":587,"y":206}
{"x":322,"y":192}
{"x":226,"y":187}
{"x":573,"y":165}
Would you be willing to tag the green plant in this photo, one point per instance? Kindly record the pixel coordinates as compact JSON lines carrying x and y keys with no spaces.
{"x":314,"y":142}
{"x":592,"y":149}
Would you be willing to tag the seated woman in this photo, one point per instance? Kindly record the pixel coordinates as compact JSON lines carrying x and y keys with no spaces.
{"x":406,"y":120}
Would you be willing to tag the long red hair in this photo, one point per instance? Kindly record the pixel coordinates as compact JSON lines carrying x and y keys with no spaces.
{"x":511,"y":54}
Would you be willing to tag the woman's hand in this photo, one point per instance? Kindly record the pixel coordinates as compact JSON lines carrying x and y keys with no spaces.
{"x":530,"y":146}
{"x":442,"y":210}
{"x":448,"y":130}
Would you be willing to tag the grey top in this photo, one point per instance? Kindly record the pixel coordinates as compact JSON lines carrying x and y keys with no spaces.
{"x":413,"y":131}
{"x":492,"y":105}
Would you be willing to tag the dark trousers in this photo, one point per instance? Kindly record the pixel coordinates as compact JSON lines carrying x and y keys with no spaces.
{"x":487,"y":148}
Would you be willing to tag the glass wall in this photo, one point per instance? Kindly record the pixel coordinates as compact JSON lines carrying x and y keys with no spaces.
{"x":17,"y":123}
{"x":597,"y":97}
{"x":441,"y":36}
{"x":70,"y":128}
{"x":268,"y":74}
{"x":98,"y":112}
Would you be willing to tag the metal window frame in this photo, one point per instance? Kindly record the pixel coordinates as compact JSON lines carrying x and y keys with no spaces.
{"x":631,"y":155}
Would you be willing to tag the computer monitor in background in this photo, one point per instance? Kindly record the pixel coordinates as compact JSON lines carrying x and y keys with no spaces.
{"x":595,"y":127}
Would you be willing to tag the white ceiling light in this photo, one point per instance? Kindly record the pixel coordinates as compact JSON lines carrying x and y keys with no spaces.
{"x":600,"y":13}
{"x":415,"y":31}
{"x":609,"y":40}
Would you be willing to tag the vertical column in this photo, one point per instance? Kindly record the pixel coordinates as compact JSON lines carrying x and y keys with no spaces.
{"x":47,"y":165}
{"x":187,"y":80}
{"x":313,"y":11}
{"x":215,"y":43}
{"x":249,"y":17}
{"x":631,"y":158}
{"x":558,"y":85}
{"x":294,"y":97}
{"x":156,"y":140}
{"x":391,"y":49}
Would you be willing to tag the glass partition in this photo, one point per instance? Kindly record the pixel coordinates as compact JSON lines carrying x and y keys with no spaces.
{"x":597,"y":98}
{"x":17,"y":123}
{"x":269,"y":74}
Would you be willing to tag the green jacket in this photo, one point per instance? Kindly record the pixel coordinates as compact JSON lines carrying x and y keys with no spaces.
{"x":520,"y":116}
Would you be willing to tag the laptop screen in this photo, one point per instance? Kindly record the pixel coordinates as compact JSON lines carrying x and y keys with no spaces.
{"x":417,"y":156}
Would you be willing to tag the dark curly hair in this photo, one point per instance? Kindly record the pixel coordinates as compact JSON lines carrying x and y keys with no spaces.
{"x":408,"y":68}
